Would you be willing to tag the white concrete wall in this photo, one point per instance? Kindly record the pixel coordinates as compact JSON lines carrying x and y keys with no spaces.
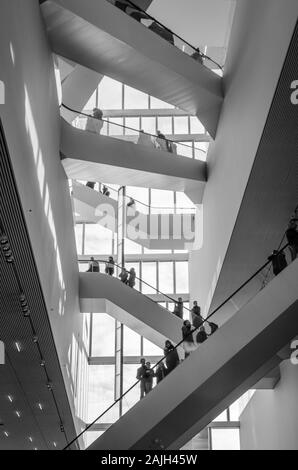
{"x":32,"y":126}
{"x":260,"y":38}
{"x":270,"y":420}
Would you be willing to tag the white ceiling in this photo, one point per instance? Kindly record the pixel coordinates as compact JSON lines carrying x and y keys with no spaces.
{"x":201,"y":22}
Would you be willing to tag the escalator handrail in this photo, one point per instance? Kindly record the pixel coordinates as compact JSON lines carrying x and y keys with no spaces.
{"x":179,"y":344}
{"x":139,"y":131}
{"x":195,"y":49}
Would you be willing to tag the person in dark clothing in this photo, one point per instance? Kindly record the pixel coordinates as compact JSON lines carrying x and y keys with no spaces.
{"x":138,"y":15}
{"x":123,"y":276}
{"x":162,"y":142}
{"x":148,"y":378}
{"x":187,"y":336}
{"x":90,"y":184}
{"x":279,"y":262}
{"x":110,"y":266}
{"x":170,"y":146}
{"x":141,"y":376}
{"x":130,"y":10}
{"x":201,"y":336}
{"x":95,"y":123}
{"x":178,"y":310}
{"x":292,"y":238}
{"x":160,"y":372}
{"x":93,"y":266}
{"x":171,"y":356}
{"x":122,"y":5}
{"x":197,"y":319}
{"x":132,"y":278}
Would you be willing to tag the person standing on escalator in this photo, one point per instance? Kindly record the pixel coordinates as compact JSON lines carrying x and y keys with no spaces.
{"x":161,"y":142}
{"x":197,"y":319}
{"x":292,"y":238}
{"x":187,"y":336}
{"x":178,"y":310}
{"x":93,"y":266}
{"x":145,"y":139}
{"x":148,"y":378}
{"x":160,"y":372}
{"x":161,"y":31}
{"x":132,"y":278}
{"x":90,"y":184}
{"x":105,"y":191}
{"x":130,"y":10}
{"x":123,"y":276}
{"x":141,"y":376}
{"x":94,"y":123}
{"x":279,"y":262}
{"x":198,"y":56}
{"x":110,"y":266}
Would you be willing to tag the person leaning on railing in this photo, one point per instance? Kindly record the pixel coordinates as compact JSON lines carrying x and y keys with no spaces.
{"x":132,"y":278}
{"x":171,"y":356}
{"x":197,"y":319}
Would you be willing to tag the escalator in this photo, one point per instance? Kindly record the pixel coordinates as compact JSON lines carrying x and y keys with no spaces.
{"x":104,"y":38}
{"x":232,"y":360}
{"x":134,"y":160}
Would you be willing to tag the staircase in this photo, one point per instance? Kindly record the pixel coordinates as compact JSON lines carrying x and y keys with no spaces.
{"x":101,"y":37}
{"x":221,"y":369}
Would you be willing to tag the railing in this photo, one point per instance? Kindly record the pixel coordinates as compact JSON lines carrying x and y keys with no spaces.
{"x":140,"y":282}
{"x":105,"y":127}
{"x":228,"y":307}
{"x":142,"y":206}
{"x":140,"y":15}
